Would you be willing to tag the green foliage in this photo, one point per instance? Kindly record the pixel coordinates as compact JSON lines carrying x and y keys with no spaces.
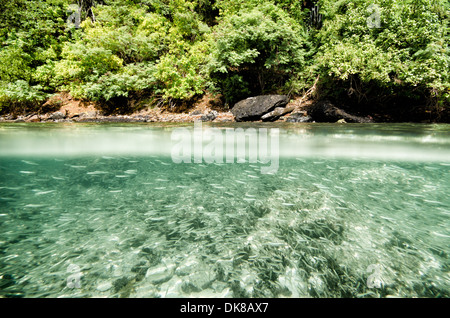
{"x":131,"y":79}
{"x":176,"y":50}
{"x":19,"y":96}
{"x":408,"y":53}
{"x":181,"y":74}
{"x":86,"y":62}
{"x":103,"y":64}
{"x":257,"y":49}
{"x":14,"y":64}
{"x":30,"y":33}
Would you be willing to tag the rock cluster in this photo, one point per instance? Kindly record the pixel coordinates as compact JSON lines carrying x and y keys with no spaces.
{"x":268,"y":108}
{"x":98,"y":117}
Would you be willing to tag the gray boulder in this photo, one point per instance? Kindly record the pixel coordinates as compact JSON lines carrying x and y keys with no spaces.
{"x":57,"y":116}
{"x":299,"y":118}
{"x":277,"y":113}
{"x":253,"y":108}
{"x":89,"y":114}
{"x":196,"y":112}
{"x":210,"y":116}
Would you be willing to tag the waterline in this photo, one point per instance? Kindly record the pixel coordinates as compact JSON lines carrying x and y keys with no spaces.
{"x":379,"y":141}
{"x":214,"y":145}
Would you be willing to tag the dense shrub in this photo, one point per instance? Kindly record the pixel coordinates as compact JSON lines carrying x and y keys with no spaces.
{"x":405,"y":55}
{"x":14,"y":64}
{"x":18,"y":97}
{"x":377,"y":53}
{"x":256,"y":51}
{"x":131,"y":50}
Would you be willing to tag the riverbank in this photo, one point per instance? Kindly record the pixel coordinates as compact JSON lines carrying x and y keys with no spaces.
{"x":71,"y":110}
{"x":64,"y":108}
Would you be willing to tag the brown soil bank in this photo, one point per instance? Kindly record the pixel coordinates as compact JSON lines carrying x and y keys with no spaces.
{"x":63,"y":108}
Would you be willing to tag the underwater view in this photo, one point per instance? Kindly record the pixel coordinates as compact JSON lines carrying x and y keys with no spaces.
{"x":314,"y":210}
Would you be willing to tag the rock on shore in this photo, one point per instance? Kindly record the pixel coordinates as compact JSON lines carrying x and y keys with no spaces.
{"x":325,"y":111}
{"x":253,"y":108}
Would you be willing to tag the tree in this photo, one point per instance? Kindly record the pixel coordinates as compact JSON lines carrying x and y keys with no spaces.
{"x":401,"y":58}
{"x":256,"y":51}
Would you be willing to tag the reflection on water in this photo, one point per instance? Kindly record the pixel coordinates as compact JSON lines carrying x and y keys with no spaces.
{"x":101,"y":210}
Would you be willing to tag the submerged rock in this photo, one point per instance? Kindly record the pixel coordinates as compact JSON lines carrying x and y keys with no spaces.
{"x":253,"y":108}
{"x":6,"y":280}
{"x":171,"y":288}
{"x":152,"y":255}
{"x":196,"y":275}
{"x":316,"y":285}
{"x":187,"y":266}
{"x":120,"y":283}
{"x":218,"y":287}
{"x":140,"y":270}
{"x":249,"y":279}
{"x":104,"y":286}
{"x":238,"y":291}
{"x":292,"y":281}
{"x":160,"y":274}
{"x":201,"y":280}
{"x":188,"y":287}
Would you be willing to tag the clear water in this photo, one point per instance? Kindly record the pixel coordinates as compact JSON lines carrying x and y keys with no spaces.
{"x":102,"y":211}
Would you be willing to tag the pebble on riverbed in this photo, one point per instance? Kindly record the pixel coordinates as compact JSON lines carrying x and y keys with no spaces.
{"x":160,"y":274}
{"x":105,"y":286}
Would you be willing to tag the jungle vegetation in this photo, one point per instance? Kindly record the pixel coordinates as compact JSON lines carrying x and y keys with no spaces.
{"x":371,"y":55}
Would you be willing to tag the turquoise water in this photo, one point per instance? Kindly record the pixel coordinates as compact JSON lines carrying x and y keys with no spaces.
{"x":103,"y":211}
